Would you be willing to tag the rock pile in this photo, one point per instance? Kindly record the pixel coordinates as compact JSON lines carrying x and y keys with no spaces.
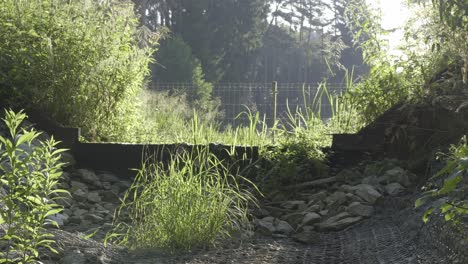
{"x":352,"y":197}
{"x":94,"y":198}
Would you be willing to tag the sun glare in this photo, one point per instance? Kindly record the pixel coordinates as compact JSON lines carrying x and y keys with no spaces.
{"x":394,"y":15}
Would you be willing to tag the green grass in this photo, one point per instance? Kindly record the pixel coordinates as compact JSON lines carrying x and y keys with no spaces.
{"x":171,"y":119}
{"x":194,"y":201}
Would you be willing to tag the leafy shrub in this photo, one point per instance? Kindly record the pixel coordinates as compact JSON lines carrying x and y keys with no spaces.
{"x":192,"y":202}
{"x":453,"y":191}
{"x":29,"y":173}
{"x":82,"y":62}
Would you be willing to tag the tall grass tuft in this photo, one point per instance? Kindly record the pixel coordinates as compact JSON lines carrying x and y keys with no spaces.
{"x":193,"y":201}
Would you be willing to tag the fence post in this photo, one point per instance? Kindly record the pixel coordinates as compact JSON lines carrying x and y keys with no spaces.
{"x":274,"y":89}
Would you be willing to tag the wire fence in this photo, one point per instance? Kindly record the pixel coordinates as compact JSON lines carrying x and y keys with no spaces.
{"x":236,"y":98}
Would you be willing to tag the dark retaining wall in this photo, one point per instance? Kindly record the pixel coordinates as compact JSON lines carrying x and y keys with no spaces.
{"x":121,"y":158}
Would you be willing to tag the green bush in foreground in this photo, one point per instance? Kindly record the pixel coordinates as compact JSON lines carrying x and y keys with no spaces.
{"x":193,"y":201}
{"x":28,"y":175}
{"x":452,"y":194}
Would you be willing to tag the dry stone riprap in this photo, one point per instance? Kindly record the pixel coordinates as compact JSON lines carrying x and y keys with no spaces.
{"x":94,"y":198}
{"x":342,"y":202}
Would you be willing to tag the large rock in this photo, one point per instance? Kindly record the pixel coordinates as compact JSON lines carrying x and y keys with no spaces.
{"x":338,"y":222}
{"x":311,"y":218}
{"x":294,"y":219}
{"x":75,"y":185}
{"x":270,"y":225}
{"x":367,"y":192}
{"x":94,"y":197}
{"x":80,"y":195}
{"x":89,"y":177}
{"x":358,"y":209}
{"x":283,"y":227}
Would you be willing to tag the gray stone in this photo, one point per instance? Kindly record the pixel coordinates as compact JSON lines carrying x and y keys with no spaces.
{"x":74,"y":220}
{"x":67,"y":211}
{"x":75,"y":185}
{"x":94,"y":197}
{"x":89,"y":177}
{"x":314,"y":208}
{"x":317,"y":197}
{"x":346,"y":188}
{"x":294,"y":218}
{"x":80,"y":195}
{"x":394,"y":188}
{"x":106,"y":185}
{"x":399,"y":175}
{"x":323,"y":212}
{"x":260,"y":212}
{"x":338,"y":222}
{"x":336,"y":199}
{"x":372,"y":180}
{"x":311,"y":218}
{"x":79,"y":212}
{"x":294,"y":205}
{"x":283,"y":227}
{"x":109,"y":206}
{"x":265,"y":225}
{"x":358,"y":209}
{"x":368,"y":193}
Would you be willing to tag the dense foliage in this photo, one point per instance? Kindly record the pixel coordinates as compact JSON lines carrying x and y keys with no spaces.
{"x":79,"y":61}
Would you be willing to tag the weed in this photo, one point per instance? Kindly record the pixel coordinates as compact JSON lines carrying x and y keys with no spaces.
{"x":194,"y":201}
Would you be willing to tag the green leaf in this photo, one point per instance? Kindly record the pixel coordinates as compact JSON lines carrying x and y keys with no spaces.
{"x":427,"y":214}
{"x":53,"y":212}
{"x":420,"y":201}
{"x":451,"y":183}
{"x":446,"y":207}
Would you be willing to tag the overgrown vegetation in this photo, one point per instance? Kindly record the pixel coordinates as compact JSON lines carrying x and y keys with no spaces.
{"x":192,"y":202}
{"x":82,"y":62}
{"x":29,"y":173}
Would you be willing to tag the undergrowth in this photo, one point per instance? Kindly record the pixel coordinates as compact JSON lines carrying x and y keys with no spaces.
{"x":193,"y":201}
